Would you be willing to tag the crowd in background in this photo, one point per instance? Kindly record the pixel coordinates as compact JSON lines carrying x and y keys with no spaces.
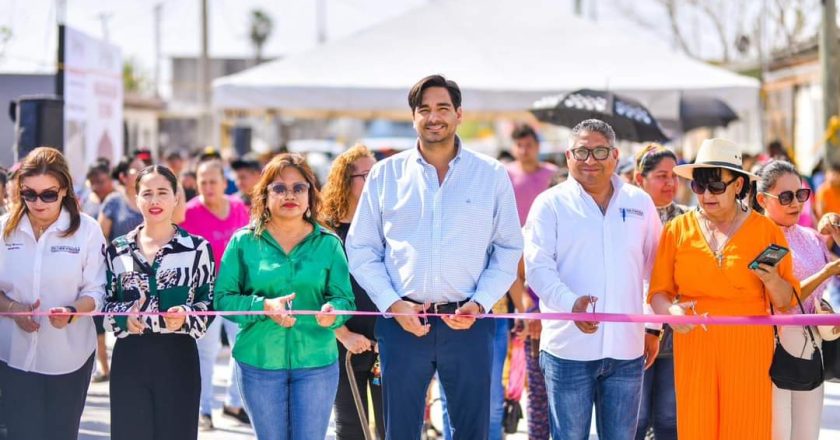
{"x":258,"y":234}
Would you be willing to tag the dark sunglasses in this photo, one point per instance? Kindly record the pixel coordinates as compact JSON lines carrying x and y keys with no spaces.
{"x":297,"y":189}
{"x":48,"y":196}
{"x":363,"y":176}
{"x":786,"y":197}
{"x":715,"y":188}
{"x":599,"y":153}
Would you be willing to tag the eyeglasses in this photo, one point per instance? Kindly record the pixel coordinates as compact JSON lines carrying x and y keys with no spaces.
{"x":599,"y":153}
{"x":715,"y":188}
{"x":48,"y":196}
{"x":282,"y":190}
{"x":786,"y":197}
{"x":363,"y":176}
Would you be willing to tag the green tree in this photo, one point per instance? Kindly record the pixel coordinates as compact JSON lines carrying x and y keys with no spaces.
{"x":5,"y":36}
{"x":261,"y":26}
{"x":134,"y":79}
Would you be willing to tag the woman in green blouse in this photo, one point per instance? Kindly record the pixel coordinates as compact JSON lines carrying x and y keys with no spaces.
{"x":288,"y":369}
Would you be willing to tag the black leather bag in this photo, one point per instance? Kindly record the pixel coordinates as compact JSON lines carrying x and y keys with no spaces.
{"x":789,"y":372}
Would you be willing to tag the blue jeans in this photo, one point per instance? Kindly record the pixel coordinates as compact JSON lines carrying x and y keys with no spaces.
{"x":208,"y":350}
{"x":497,"y":389}
{"x":462,"y":359}
{"x":614,"y":386}
{"x":289,"y":404}
{"x":659,"y":402}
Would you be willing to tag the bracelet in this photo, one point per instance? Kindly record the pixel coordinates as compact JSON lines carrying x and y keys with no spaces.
{"x":653,"y":332}
{"x":72,"y":309}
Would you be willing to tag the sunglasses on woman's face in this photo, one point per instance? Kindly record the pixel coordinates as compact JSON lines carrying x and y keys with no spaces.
{"x":716,"y":188}
{"x":297,"y":189}
{"x":48,"y":196}
{"x":786,"y":197}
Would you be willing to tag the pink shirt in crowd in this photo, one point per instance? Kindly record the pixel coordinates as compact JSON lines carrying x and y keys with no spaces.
{"x":526,"y":187}
{"x":809,"y":256}
{"x":200,"y":221}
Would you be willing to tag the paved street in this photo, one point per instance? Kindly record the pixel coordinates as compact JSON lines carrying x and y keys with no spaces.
{"x":95,"y":421}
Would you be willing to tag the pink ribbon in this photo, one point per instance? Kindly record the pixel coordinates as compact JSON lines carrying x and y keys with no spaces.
{"x":796,"y":320}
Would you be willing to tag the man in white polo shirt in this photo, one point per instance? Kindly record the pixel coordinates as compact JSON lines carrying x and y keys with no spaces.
{"x":590,"y":243}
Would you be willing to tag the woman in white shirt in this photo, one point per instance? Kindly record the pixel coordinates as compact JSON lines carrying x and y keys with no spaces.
{"x":50,"y":260}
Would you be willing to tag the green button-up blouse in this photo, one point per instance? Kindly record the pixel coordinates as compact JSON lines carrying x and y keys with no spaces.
{"x":254,"y":268}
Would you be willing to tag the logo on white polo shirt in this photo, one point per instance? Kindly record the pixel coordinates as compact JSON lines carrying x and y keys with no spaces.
{"x":632,"y":211}
{"x":13,"y":246}
{"x":65,"y":249}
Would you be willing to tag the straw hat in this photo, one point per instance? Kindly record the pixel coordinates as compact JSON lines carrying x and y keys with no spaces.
{"x":715,"y":153}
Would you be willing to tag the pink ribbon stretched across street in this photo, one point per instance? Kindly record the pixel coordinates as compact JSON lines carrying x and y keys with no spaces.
{"x":800,"y":320}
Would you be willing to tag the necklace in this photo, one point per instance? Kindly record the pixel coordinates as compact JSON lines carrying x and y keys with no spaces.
{"x":717,"y":250}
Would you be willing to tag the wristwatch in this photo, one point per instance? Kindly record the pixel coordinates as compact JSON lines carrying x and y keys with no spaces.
{"x":654,"y":332}
{"x":72,"y":309}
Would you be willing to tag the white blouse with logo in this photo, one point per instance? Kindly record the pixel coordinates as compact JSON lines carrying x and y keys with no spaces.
{"x":57,"y":270}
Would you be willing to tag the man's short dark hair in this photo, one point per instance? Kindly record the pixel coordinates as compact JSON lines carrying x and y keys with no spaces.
{"x":593,"y":126}
{"x":247,"y":162}
{"x":415,"y":95}
{"x":101,"y":166}
{"x":174,"y":154}
{"x":521,"y":131}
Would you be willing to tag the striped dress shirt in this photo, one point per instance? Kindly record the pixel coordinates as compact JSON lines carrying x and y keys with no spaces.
{"x":415,"y":238}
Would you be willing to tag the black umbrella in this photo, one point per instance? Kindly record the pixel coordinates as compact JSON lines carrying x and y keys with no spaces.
{"x":704,"y":111}
{"x":629,"y":118}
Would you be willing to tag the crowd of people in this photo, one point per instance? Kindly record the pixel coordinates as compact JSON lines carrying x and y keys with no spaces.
{"x":437,"y":229}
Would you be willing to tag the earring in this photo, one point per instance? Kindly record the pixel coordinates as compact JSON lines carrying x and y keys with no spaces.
{"x":308,"y":213}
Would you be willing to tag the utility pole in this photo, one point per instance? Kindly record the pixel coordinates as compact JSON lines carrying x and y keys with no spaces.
{"x":321,"y":20}
{"x":204,"y":122}
{"x":104,"y":17}
{"x":829,"y":76}
{"x":158,"y":11}
{"x":578,"y":8}
{"x":61,"y":12}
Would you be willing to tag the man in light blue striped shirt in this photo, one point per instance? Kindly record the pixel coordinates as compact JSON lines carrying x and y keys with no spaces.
{"x":436,"y":228}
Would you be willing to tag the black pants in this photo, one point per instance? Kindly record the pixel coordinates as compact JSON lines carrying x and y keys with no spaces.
{"x":41,"y":406}
{"x":347,"y":424}
{"x":155,"y":388}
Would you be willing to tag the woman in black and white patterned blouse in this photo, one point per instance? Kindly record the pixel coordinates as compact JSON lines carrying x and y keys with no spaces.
{"x":158,"y":267}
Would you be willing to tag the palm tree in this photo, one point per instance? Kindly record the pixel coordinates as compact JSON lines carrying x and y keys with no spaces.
{"x":5,"y":36}
{"x":261,"y":26}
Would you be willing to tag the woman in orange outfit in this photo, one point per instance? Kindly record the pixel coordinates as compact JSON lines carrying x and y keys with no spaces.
{"x":722,"y":372}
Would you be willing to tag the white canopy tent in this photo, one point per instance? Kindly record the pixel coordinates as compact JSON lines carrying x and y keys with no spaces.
{"x":504,"y":55}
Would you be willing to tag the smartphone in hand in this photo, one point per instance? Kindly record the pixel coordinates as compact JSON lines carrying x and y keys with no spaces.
{"x":770,"y":256}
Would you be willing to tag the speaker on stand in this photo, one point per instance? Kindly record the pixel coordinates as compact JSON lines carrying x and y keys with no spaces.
{"x":39,"y":122}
